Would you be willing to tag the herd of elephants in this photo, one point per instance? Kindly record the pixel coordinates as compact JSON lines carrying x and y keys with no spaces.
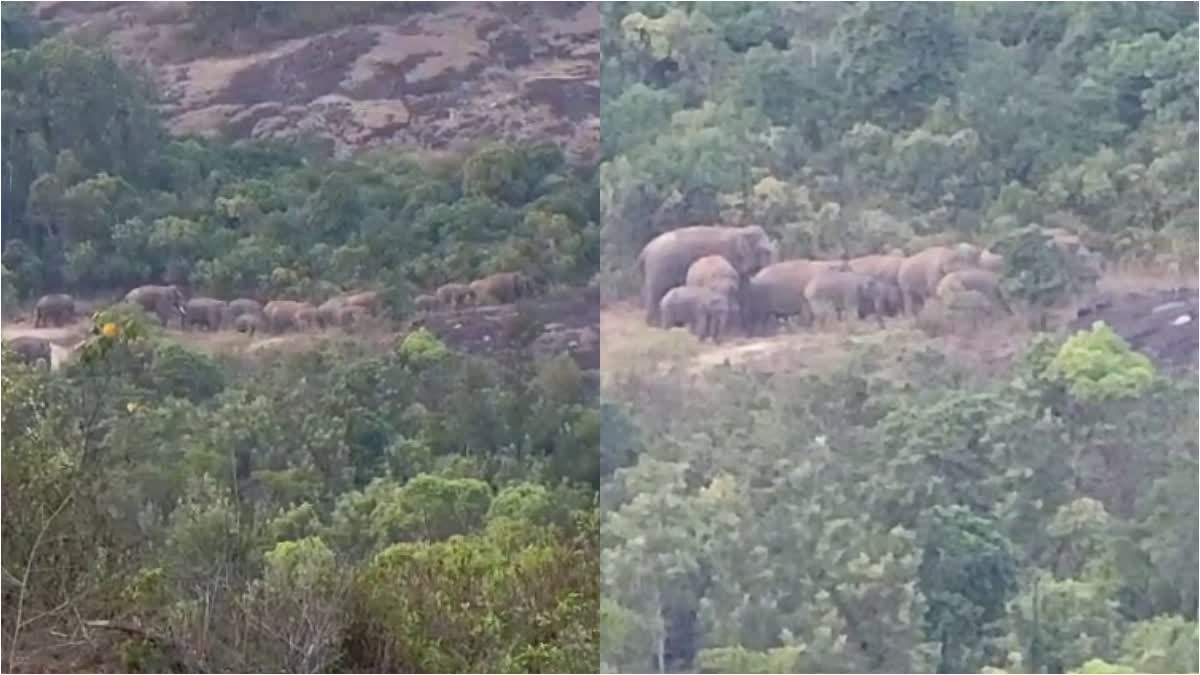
{"x":708,"y":278}
{"x":248,"y":316}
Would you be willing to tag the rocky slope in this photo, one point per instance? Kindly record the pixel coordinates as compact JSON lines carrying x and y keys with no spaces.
{"x":431,"y":74}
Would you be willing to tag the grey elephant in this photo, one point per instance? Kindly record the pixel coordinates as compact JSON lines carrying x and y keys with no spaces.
{"x":327,"y":311}
{"x":716,"y":273}
{"x":282,"y":315}
{"x":454,"y":296}
{"x":369,"y":302}
{"x":243,"y":306}
{"x":31,"y":350}
{"x":57,"y":309}
{"x":208,"y":313}
{"x":248,"y":323}
{"x":890,"y":300}
{"x":347,"y":315}
{"x":777,"y":292}
{"x":842,"y":289}
{"x":885,"y":267}
{"x":164,"y":301}
{"x":704,"y":311}
{"x":772,"y":298}
{"x":425,"y":303}
{"x":664,"y":262}
{"x":981,"y":281}
{"x":920,"y":273}
{"x":503,"y":287}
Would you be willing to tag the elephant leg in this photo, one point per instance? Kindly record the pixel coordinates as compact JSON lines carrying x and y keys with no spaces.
{"x":912,"y":302}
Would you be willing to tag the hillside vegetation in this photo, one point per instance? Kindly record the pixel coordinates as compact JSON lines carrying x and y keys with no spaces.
{"x":905,"y":499}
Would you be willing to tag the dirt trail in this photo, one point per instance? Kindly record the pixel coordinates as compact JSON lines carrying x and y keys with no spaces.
{"x":566,"y":320}
{"x":1159,"y":322}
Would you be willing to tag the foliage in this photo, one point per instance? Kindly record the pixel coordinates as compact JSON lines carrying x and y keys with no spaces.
{"x":958,"y":120}
{"x":1099,"y":365}
{"x":514,"y":598}
{"x":868,"y":520}
{"x":227,"y":507}
{"x":100,"y":197}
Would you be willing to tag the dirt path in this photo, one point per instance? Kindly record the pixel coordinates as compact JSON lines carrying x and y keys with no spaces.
{"x":564,"y":320}
{"x":1168,"y":335}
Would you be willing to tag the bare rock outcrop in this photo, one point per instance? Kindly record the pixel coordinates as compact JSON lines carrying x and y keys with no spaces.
{"x":429,"y":74}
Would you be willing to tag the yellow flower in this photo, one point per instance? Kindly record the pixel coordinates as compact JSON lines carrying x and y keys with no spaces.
{"x":110,"y":329}
{"x":132,"y":406}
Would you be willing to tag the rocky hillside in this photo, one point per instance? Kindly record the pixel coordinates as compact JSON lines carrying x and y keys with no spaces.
{"x":362,"y":74}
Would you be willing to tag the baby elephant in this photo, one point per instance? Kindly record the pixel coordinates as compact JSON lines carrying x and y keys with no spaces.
{"x":454,"y":296}
{"x":704,"y":311}
{"x":980,"y":281}
{"x":842,"y":290}
{"x":56,"y":309}
{"x":248,"y":324}
{"x":31,"y":350}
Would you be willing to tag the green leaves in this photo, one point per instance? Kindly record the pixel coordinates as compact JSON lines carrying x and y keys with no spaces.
{"x":516,"y":598}
{"x":1099,"y":366}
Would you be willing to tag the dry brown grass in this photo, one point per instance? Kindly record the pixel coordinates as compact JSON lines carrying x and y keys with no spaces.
{"x":629,"y":346}
{"x":1143,"y":276}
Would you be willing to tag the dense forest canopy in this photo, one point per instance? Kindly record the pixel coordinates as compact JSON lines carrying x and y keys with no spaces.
{"x":98,"y":196}
{"x":850,"y":128}
{"x":889,"y":514}
{"x":363,"y":504}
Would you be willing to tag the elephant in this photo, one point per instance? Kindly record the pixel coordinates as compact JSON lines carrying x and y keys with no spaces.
{"x":503,"y":287}
{"x":705,"y":311}
{"x":327,"y":311}
{"x":368,"y":301}
{"x":425,"y":303}
{"x":882,"y":267}
{"x":777,"y":291}
{"x":58,"y":308}
{"x":282,"y":315}
{"x":30,"y":350}
{"x":164,"y":301}
{"x":347,"y":315}
{"x":841,"y":289}
{"x":243,"y":306}
{"x":769,"y":298}
{"x":716,"y":273}
{"x":920,"y":273}
{"x":454,"y":296}
{"x":248,"y":323}
{"x":890,"y":299}
{"x":978,"y":280}
{"x":664,"y":261}
{"x":991,"y":262}
{"x":207,"y":312}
